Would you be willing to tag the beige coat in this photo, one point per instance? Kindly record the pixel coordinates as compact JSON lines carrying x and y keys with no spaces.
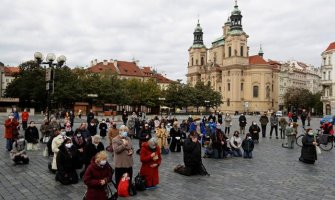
{"x":123,"y":154}
{"x":56,"y":142}
{"x":162,"y":135}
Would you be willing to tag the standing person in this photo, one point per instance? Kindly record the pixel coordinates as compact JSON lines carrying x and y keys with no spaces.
{"x":274,"y":124}
{"x":175,"y":134}
{"x":282,"y":123}
{"x":46,"y":130}
{"x":308,"y":150}
{"x":16,"y":114}
{"x":97,"y":176}
{"x":289,"y":115}
{"x":161,"y":135}
{"x":103,"y":128}
{"x":67,"y":160}
{"x":91,"y":149}
{"x":235,"y":144}
{"x":309,"y":118}
{"x":254,"y":132}
{"x":124,"y":117}
{"x":90,"y":116}
{"x":151,"y":160}
{"x":18,"y":153}
{"x":92,"y":127}
{"x":11,"y":131}
{"x":247,"y":146}
{"x":131,"y":124}
{"x":295,"y":117}
{"x":123,"y":155}
{"x":220,"y":118}
{"x":25,"y":117}
{"x":55,"y":144}
{"x":31,"y":135}
{"x":212,"y":116}
{"x":290,"y":133}
{"x":192,"y":157}
{"x":228,"y":123}
{"x":71,"y":117}
{"x":112,"y":133}
{"x":243,"y":123}
{"x":79,"y":113}
{"x":303,"y":118}
{"x":264,"y":120}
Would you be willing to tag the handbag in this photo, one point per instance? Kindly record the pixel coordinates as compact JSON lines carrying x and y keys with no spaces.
{"x":318,"y":150}
{"x":140,"y":182}
{"x":46,"y":139}
{"x":45,"y":152}
{"x":123,"y":188}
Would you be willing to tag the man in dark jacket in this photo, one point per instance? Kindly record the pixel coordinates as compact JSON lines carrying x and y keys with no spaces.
{"x":90,"y":116}
{"x":243,"y":123}
{"x":303,"y":117}
{"x":264,"y":120}
{"x":90,"y":150}
{"x":192,"y":157}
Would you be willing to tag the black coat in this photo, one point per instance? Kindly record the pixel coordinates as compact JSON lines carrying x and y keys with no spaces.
{"x":144,"y":134}
{"x":247,"y":145}
{"x":192,"y":153}
{"x":220,"y":118}
{"x":90,"y":150}
{"x":92,"y":129}
{"x":242,"y":120}
{"x":90,"y":116}
{"x":217,"y":138}
{"x":31,"y":134}
{"x":254,"y":131}
{"x":67,"y":163}
{"x":308,"y":150}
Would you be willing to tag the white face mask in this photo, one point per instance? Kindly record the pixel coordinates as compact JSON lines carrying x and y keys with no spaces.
{"x":92,"y":124}
{"x":249,"y":138}
{"x":20,"y":140}
{"x":68,"y":145}
{"x":78,"y":135}
{"x":11,"y":117}
{"x":254,"y":123}
{"x":63,"y":133}
{"x":103,"y":162}
{"x":32,"y":125}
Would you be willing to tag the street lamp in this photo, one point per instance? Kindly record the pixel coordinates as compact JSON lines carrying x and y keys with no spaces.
{"x":49,"y":73}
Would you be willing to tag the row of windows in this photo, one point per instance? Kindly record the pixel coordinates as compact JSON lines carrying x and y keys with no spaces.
{"x":255,"y":90}
{"x":325,"y":76}
{"x":202,"y":62}
{"x":241,"y":51}
{"x":325,"y":61}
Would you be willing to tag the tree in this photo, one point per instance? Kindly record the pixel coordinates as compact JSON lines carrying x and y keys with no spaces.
{"x":298,"y":97}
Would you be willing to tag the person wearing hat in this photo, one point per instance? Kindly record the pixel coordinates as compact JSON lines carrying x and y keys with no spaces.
{"x":18,"y":153}
{"x":151,"y":160}
{"x":11,"y":131}
{"x":308,"y":150}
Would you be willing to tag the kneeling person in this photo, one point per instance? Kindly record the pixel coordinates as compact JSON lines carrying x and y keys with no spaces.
{"x":18,"y":152}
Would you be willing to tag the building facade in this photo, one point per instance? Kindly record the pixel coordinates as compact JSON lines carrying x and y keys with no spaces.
{"x":297,"y":74}
{"x":328,"y":79}
{"x":246,"y":83}
{"x":7,"y":76}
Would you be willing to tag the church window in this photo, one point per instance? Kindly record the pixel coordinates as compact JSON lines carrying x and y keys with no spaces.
{"x":192,"y":61}
{"x":328,"y":75}
{"x":242,"y":86}
{"x":228,"y":73}
{"x":202,"y":61}
{"x":255,"y":91}
{"x":242,"y":73}
{"x":196,"y":61}
{"x":228,"y":86}
{"x":324,"y":75}
{"x":229,"y":51}
{"x":228,"y":102}
{"x":324,"y":60}
{"x":267,"y":92}
{"x":241,"y":50}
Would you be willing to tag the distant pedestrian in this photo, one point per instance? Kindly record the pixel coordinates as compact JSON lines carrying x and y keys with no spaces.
{"x":247,"y":146}
{"x":243,"y":122}
{"x":290,"y":133}
{"x":264,"y":120}
{"x":124,"y":117}
{"x":79,"y":113}
{"x":303,"y":118}
{"x":176,"y":137}
{"x":11,"y":131}
{"x":309,"y":118}
{"x":282,"y":123}
{"x":289,"y":115}
{"x":103,"y":127}
{"x":228,"y":123}
{"x":220,"y":119}
{"x":254,"y":132}
{"x":32,"y":136}
{"x":71,"y":118}
{"x":294,"y":117}
{"x":25,"y":118}
{"x":162,"y":135}
{"x":274,"y":124}
{"x":90,"y":116}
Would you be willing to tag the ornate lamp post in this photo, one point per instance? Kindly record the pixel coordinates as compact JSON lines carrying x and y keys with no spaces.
{"x":49,"y":74}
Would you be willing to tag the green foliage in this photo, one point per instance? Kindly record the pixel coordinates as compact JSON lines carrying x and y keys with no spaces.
{"x":302,"y":98}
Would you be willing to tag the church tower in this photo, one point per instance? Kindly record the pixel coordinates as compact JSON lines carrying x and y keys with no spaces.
{"x":197,"y":56}
{"x":236,"y":46}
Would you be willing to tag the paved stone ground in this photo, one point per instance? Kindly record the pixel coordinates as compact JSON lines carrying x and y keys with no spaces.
{"x":273,"y":173}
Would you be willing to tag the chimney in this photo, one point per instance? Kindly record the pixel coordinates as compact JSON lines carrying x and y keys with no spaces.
{"x":105,"y":62}
{"x":137,"y":62}
{"x":115,"y":63}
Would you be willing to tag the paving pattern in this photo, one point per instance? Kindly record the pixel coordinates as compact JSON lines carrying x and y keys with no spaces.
{"x":273,"y":173}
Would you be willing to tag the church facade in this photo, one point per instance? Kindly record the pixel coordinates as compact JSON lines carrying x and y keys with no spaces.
{"x":246,"y":83}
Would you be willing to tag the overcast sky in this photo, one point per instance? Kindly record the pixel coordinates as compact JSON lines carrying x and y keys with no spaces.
{"x":158,"y":33}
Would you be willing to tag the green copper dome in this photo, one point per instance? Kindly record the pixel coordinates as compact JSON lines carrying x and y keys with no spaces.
{"x":198,"y":28}
{"x":236,"y":11}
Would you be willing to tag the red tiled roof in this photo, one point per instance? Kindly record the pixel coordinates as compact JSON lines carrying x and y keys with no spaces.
{"x":129,"y":69}
{"x":147,"y":71}
{"x":254,"y":60}
{"x":9,"y":71}
{"x":161,"y":79}
{"x":100,"y":67}
{"x":331,"y":46}
{"x":273,"y":62}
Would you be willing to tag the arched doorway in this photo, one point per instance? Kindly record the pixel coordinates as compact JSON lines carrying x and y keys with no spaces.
{"x":328,"y":109}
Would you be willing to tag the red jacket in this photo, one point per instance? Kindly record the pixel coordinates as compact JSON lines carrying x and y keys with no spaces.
{"x":10,"y":127}
{"x":93,"y":175}
{"x":25,"y":116}
{"x":150,"y":174}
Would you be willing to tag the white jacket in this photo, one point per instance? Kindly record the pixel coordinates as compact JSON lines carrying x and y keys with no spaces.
{"x":235,"y":140}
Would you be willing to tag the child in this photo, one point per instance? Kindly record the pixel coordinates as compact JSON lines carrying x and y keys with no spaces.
{"x":18,"y":153}
{"x":247,"y":146}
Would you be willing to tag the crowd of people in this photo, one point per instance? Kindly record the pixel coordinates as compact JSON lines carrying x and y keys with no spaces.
{"x":82,"y":150}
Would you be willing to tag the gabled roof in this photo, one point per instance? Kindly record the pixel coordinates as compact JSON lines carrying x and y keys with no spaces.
{"x":10,"y":71}
{"x":129,"y":69}
{"x":100,"y":67}
{"x":161,"y":79}
{"x":331,"y":46}
{"x":273,"y":62}
{"x":147,"y":71}
{"x":255,"y":60}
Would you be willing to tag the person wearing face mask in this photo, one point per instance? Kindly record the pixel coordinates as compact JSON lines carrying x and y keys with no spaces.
{"x":97,"y":176}
{"x":235,"y":144}
{"x":90,"y":150}
{"x":243,"y":122}
{"x":247,"y":146}
{"x":80,"y":143}
{"x":254,"y":131}
{"x":67,"y":159}
{"x":308,"y":150}
{"x":92,"y":127}
{"x":162,"y":134}
{"x":103,"y":128}
{"x":11,"y":131}
{"x":31,"y":135}
{"x":55,"y":144}
{"x":290,"y":133}
{"x":18,"y":153}
{"x":151,"y":160}
{"x":228,"y":123}
{"x":123,"y":154}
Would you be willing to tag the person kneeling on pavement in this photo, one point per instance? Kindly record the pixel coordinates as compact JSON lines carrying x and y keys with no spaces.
{"x":192,"y":157}
{"x":235,"y":144}
{"x":248,"y":146}
{"x":67,"y":160}
{"x":18,"y":152}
